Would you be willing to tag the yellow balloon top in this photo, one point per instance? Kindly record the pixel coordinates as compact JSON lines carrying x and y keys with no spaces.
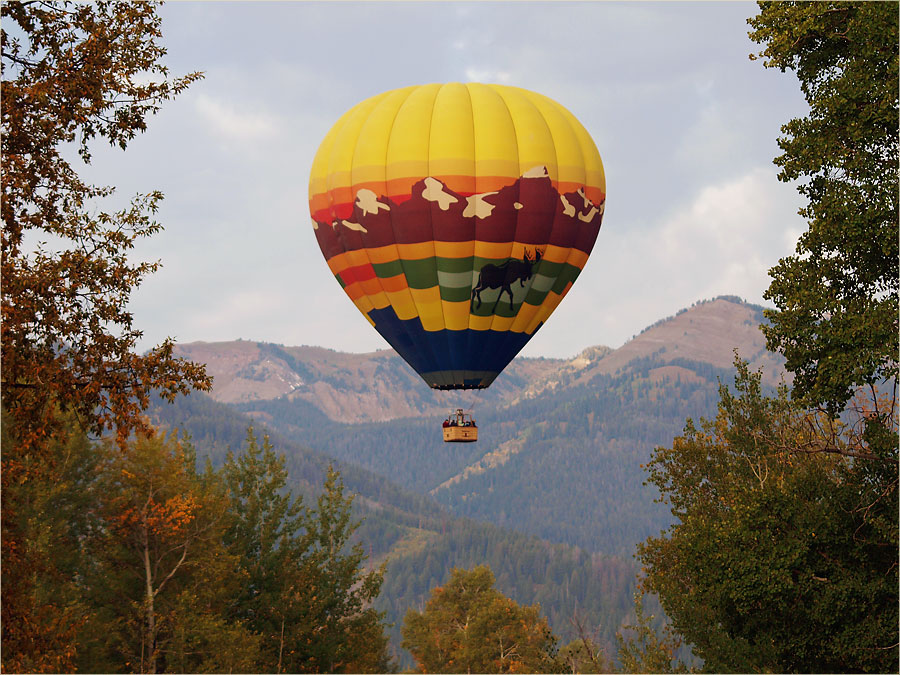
{"x":472,"y":137}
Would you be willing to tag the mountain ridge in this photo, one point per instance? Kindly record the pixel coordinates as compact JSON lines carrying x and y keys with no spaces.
{"x":346,"y":387}
{"x":379,"y":386}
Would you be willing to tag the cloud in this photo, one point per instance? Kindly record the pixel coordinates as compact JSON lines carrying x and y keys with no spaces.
{"x":238,"y":125}
{"x":488,"y":75}
{"x":685,"y":123}
{"x":733,"y":227}
{"x":714,"y":139}
{"x":721,"y":240}
{"x":255,"y":306}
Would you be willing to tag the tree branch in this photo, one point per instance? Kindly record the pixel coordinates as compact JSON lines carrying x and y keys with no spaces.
{"x":174,"y":569}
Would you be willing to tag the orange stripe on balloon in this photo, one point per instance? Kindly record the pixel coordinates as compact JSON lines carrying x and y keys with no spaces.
{"x":394,"y":284}
{"x":372,"y":287}
{"x":355,"y":291}
{"x":383,"y":254}
{"x":418,"y":251}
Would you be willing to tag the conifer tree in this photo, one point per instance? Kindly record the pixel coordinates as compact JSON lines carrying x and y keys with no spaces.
{"x":266,"y":531}
{"x":307,"y":595}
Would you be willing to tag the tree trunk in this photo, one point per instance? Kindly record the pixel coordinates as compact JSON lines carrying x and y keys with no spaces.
{"x":151,"y":613}
{"x":280,"y":647}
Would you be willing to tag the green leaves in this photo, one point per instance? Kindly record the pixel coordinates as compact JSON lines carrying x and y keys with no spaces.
{"x":307,"y":596}
{"x":160,"y":577}
{"x":137,"y":561}
{"x":469,"y":626}
{"x":837,"y":322}
{"x":783,"y":557}
{"x":642,"y":650}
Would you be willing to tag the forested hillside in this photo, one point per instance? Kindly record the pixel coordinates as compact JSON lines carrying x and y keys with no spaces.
{"x":566,"y":582}
{"x":420,"y":541}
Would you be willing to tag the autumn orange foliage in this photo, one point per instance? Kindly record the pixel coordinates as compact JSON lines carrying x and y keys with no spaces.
{"x":67,"y":345}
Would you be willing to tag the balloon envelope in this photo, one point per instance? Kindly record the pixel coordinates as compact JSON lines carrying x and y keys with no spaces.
{"x":456,"y":217}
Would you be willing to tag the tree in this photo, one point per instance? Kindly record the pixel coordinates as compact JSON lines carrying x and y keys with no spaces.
{"x":53,"y":517}
{"x":72,"y":72}
{"x":837,"y":316}
{"x":350,"y":634}
{"x":266,"y":532}
{"x":306,"y":595}
{"x":784,"y":552}
{"x":584,"y":654}
{"x":642,"y":650}
{"x":469,"y":626}
{"x":126,"y":567}
{"x":145,"y":564}
{"x":162,"y":582}
{"x":581,"y":656}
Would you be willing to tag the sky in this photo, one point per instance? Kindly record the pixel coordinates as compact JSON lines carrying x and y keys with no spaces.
{"x":685,"y":122}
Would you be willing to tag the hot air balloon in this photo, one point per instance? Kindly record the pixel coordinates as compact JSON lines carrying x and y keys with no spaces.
{"x":456,"y":217}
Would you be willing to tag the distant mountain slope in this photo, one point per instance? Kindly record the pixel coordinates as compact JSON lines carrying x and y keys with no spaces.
{"x":350,"y":388}
{"x":380,"y":386}
{"x":561,"y":442}
{"x":708,"y":332}
{"x":571,"y":470}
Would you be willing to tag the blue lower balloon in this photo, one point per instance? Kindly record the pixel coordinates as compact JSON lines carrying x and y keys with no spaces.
{"x":449,"y":359}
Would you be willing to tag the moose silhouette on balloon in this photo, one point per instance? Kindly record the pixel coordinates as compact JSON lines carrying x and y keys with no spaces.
{"x":504,"y":276}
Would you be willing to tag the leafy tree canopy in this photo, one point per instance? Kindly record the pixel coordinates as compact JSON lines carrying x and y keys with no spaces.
{"x":784,"y":554}
{"x":73,"y":72}
{"x":837,"y":316}
{"x":643,"y":650}
{"x":158,"y":577}
{"x":469,"y":626}
{"x":140,"y":562}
